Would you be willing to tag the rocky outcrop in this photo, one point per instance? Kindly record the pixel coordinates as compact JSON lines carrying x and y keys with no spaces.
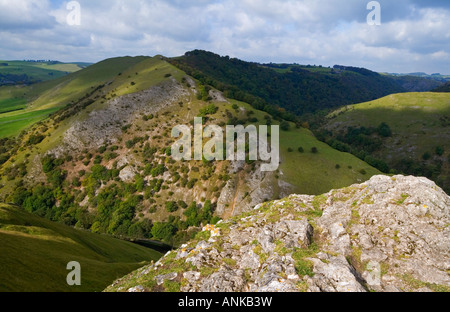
{"x":103,"y":125}
{"x":387,"y":234}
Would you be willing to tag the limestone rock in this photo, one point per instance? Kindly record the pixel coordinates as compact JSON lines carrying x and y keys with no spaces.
{"x":387,"y":234}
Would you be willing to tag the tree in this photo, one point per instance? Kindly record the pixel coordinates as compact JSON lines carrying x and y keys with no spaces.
{"x":163,"y":231}
{"x":285,"y":126}
{"x":171,"y":206}
{"x":384,"y":130}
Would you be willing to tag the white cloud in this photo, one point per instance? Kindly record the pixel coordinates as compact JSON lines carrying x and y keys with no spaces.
{"x":412,"y":35}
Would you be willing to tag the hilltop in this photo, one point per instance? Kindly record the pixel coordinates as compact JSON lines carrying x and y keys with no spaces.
{"x":388,"y":234}
{"x":296,"y":89}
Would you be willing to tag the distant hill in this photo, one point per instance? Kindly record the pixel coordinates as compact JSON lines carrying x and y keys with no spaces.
{"x":293,"y":88}
{"x":29,"y":72}
{"x":35,"y":253}
{"x":405,"y":132}
{"x":443,"y":88}
{"x":437,"y":77}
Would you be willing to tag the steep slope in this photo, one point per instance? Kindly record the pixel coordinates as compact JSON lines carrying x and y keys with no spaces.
{"x":297,"y":90}
{"x":387,"y":234}
{"x":103,"y":162}
{"x":414,"y":138}
{"x":23,"y":106}
{"x":35,"y":253}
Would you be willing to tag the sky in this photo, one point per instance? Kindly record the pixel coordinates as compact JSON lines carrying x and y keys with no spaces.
{"x":412,"y":36}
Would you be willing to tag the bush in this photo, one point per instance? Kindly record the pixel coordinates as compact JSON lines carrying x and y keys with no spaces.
{"x":209,"y":110}
{"x":426,"y":156}
{"x":285,"y":126}
{"x":301,"y":150}
{"x":439,"y":150}
{"x":35,"y":139}
{"x":314,"y":150}
{"x":171,"y":206}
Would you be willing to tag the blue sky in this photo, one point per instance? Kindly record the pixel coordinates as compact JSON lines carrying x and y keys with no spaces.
{"x":414,"y":35}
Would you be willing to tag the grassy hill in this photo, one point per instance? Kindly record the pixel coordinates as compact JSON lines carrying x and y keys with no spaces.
{"x":22,"y":106}
{"x":297,"y":89}
{"x":29,"y":72}
{"x":111,"y":170}
{"x":35,"y":252}
{"x":419,"y":142}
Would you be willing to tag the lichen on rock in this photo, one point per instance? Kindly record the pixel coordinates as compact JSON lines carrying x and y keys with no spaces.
{"x":387,"y":234}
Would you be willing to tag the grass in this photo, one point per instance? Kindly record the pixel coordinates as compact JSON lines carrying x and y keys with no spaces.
{"x":39,"y":71}
{"x":35,"y":253}
{"x":310,"y":173}
{"x":315,"y":174}
{"x":416,"y":121}
{"x":416,"y":284}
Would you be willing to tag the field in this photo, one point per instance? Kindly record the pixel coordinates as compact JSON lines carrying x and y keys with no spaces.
{"x":35,"y":252}
{"x":39,"y":71}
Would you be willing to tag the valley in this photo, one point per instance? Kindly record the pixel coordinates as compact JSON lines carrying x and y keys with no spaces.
{"x":92,"y":150}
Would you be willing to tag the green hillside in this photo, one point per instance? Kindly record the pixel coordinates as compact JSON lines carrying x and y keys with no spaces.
{"x":443,"y":88}
{"x":296,"y":89}
{"x":29,"y":72}
{"x":23,"y":106}
{"x":111,"y":170}
{"x":35,"y":252}
{"x":419,"y":140}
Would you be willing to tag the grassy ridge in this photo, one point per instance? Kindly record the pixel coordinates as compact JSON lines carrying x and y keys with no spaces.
{"x":419,"y":144}
{"x":21,"y":107}
{"x":34,"y":254}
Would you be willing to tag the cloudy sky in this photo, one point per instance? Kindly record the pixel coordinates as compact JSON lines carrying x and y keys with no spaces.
{"x":414,"y":35}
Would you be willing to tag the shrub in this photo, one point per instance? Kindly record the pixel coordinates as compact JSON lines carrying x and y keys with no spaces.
{"x":171,"y":206}
{"x":426,"y":156}
{"x":285,"y":126}
{"x":314,"y":150}
{"x":35,"y":139}
{"x":209,"y":110}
